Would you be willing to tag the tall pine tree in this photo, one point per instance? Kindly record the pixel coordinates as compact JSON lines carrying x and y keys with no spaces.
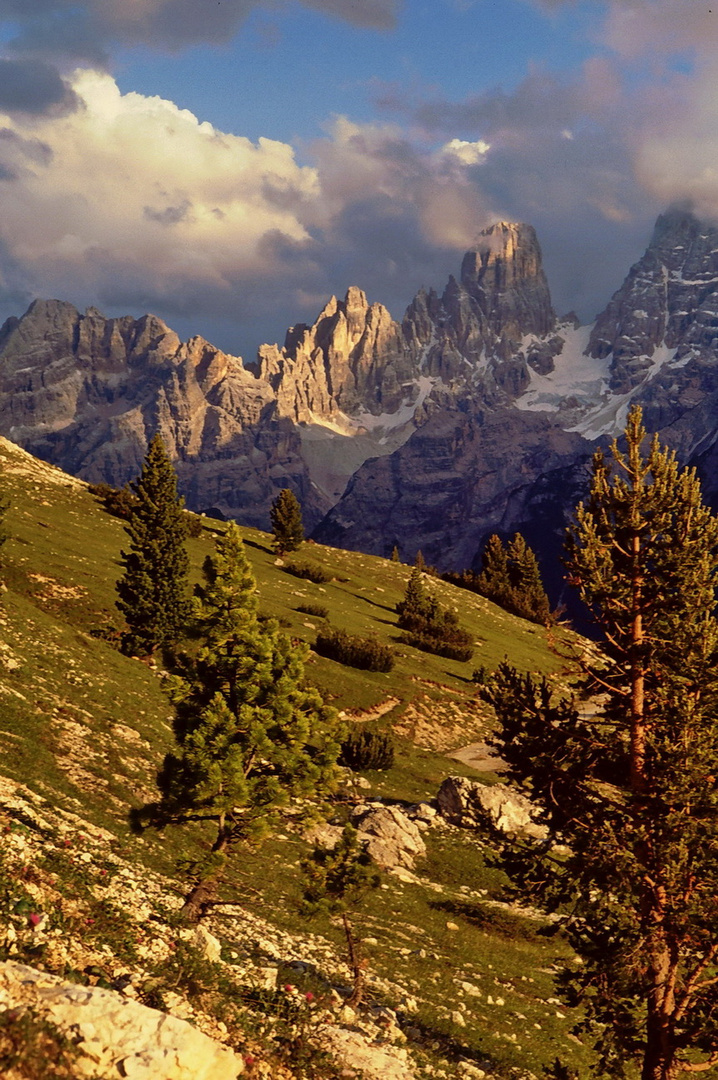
{"x":152,"y":590}
{"x":251,"y":736}
{"x":286,"y":518}
{"x":631,"y":785}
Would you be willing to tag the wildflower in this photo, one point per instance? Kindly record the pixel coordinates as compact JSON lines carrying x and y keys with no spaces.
{"x":34,"y":919}
{"x":309,"y":995}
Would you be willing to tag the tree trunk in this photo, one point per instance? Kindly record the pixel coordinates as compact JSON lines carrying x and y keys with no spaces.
{"x":199,"y":899}
{"x":357,"y":965}
{"x":659,"y":1058}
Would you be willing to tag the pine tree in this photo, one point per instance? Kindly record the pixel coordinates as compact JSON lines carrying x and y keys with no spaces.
{"x":631,"y":786}
{"x":336,"y":881}
{"x":493,"y":581}
{"x":250,"y":735}
{"x":511,"y":578}
{"x":395,"y":554}
{"x":286,"y":518}
{"x":529,"y":596}
{"x":152,"y":591}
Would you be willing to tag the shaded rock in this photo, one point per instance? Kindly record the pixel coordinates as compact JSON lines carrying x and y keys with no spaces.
{"x":391,"y":838}
{"x":117,"y":1036}
{"x":472,"y":805}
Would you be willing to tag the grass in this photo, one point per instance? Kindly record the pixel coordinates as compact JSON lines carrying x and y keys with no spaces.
{"x":86,"y":728}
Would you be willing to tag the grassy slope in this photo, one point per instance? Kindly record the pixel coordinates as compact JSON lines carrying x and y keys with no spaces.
{"x":87,"y":727}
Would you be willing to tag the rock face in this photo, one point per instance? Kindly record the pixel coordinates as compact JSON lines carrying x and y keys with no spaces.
{"x":353,"y":358}
{"x":87,"y":393}
{"x":117,"y":1036}
{"x":478,"y":413}
{"x":475,"y":806}
{"x":459,"y":477}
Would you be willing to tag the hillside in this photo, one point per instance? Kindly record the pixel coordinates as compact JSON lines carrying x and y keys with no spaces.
{"x":460,"y":981}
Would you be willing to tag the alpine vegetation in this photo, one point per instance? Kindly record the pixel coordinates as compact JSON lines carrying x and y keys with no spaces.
{"x":629,"y":784}
{"x":251,"y":736}
{"x":153,"y":589}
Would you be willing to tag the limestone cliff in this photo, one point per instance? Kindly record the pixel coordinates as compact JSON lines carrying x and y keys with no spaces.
{"x":87,"y":393}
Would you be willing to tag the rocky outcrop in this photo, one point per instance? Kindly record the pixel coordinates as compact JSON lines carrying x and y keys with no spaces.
{"x":87,"y":393}
{"x":493,"y":323}
{"x":114,"y":1035}
{"x":498,"y":808}
{"x":669,"y":299}
{"x":391,"y":838}
{"x":459,"y":478}
{"x":353,"y":358}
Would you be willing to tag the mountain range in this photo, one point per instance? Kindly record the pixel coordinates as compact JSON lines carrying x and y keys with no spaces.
{"x":477,"y":413}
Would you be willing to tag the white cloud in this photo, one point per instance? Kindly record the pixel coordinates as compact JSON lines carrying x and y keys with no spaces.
{"x":131,"y":202}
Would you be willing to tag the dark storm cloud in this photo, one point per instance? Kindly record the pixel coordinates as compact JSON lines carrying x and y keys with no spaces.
{"x":32,"y":86}
{"x":85,"y":30}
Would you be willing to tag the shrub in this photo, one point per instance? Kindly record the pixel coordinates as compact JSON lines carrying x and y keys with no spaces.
{"x":308,"y":571}
{"x":194,"y":525}
{"x":367,"y":653}
{"x":117,"y":501}
{"x":457,"y":648}
{"x":317,"y":610}
{"x":366,"y":749}
{"x":429,"y":626}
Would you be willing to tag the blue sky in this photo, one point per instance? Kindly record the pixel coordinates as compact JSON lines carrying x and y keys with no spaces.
{"x":229,"y":165}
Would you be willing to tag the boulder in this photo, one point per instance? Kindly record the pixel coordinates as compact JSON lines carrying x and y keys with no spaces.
{"x":472,"y":805}
{"x":117,"y":1036}
{"x":391,"y":838}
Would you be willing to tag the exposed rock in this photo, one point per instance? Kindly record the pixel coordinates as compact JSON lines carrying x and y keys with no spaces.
{"x":391,"y":838}
{"x":87,"y":393}
{"x":373,"y":1061}
{"x":353,"y":357}
{"x":472,"y":805}
{"x":459,"y":478}
{"x":117,"y":1036}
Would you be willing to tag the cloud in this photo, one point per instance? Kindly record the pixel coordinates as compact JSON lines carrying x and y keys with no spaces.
{"x":84,"y":30}
{"x":130,"y":202}
{"x":32,"y":86}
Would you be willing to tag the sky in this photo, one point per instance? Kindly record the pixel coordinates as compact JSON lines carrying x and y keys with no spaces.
{"x":229,"y":165}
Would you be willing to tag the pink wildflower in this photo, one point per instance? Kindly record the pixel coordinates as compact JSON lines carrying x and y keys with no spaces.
{"x":34,"y":919}
{"x":309,"y":995}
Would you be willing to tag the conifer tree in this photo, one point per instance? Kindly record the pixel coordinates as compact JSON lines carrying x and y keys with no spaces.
{"x":493,"y":581}
{"x":395,"y":554}
{"x":631,"y":786}
{"x":525,"y":577}
{"x":250,"y":735}
{"x":286,"y":518}
{"x":152,"y":590}
{"x":336,"y":881}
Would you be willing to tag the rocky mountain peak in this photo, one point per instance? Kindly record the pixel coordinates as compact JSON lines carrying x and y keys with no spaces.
{"x":352,"y":358}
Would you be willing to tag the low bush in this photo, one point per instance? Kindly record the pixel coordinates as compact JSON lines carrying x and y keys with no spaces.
{"x":308,"y":571}
{"x":317,"y":610}
{"x":458,"y":647}
{"x":366,"y":653}
{"x":117,"y":501}
{"x":365,"y":749}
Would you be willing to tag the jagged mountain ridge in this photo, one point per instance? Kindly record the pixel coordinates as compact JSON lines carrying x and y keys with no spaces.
{"x":478,"y":412}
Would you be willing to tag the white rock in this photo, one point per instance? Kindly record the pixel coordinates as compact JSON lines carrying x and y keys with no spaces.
{"x":208,"y":944}
{"x":120,"y":1036}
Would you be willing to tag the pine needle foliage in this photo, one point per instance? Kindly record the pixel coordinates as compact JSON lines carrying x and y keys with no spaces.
{"x":251,"y":736}
{"x":428,"y":625}
{"x":286,"y":518}
{"x":336,"y":881}
{"x":510,"y":577}
{"x":153,"y":589}
{"x":630,"y":784}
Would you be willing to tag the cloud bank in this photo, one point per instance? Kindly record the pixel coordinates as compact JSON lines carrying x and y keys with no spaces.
{"x":129,"y":200}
